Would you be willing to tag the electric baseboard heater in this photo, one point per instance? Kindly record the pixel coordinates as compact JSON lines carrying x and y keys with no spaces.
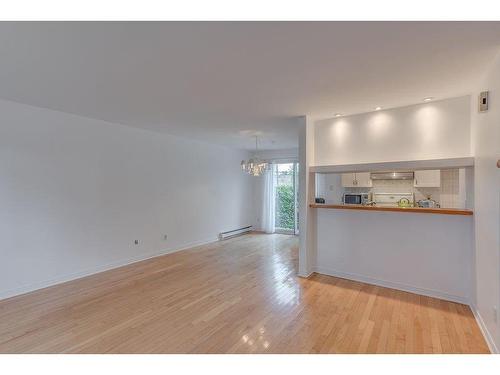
{"x":234,"y":232}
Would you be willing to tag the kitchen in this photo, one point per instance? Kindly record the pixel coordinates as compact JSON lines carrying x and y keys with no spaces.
{"x":390,"y":199}
{"x":430,"y":189}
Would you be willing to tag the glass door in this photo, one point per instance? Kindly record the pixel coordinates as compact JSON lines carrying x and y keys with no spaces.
{"x":286,"y":193}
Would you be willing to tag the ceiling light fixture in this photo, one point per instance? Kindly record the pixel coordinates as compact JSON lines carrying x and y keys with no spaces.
{"x":338,"y":115}
{"x":428,"y":99}
{"x":378,"y":108}
{"x":254,"y":166}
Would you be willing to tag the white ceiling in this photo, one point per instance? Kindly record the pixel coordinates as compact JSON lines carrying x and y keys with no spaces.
{"x":222,"y":81}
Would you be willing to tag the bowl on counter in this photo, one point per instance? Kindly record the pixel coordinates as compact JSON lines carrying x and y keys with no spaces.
{"x":428,"y":203}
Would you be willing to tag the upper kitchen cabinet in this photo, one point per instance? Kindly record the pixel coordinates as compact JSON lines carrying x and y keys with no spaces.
{"x":348,"y":180}
{"x":356,"y":180}
{"x":363,"y":179}
{"x":430,"y":178}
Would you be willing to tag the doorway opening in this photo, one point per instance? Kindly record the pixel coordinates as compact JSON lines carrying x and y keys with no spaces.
{"x":286,"y":197}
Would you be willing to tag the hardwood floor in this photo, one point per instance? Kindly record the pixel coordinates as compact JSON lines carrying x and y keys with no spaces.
{"x":237,"y":296}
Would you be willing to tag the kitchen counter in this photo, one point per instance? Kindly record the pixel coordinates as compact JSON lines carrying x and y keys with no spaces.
{"x":442,"y":211}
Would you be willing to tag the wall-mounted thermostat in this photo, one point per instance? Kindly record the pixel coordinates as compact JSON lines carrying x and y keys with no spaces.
{"x":483,"y":101}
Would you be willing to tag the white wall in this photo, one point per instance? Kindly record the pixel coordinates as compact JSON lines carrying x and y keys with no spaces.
{"x":329,"y":187}
{"x":486,"y":149}
{"x":307,"y":215}
{"x":76,"y":192}
{"x":421,"y":253}
{"x":432,"y":130}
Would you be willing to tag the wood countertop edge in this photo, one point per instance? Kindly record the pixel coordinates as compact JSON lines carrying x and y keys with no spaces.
{"x":439,"y":211}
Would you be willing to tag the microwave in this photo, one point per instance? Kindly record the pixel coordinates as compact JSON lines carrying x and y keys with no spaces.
{"x":355,"y":199}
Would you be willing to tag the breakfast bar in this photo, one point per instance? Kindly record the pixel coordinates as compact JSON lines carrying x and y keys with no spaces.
{"x":424,"y":210}
{"x":420,"y":250}
{"x":403,"y":225}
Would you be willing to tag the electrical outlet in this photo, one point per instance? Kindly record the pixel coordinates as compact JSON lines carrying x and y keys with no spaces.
{"x":136,"y":242}
{"x":165,"y":237}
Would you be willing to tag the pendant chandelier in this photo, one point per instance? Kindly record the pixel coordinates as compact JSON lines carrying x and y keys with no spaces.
{"x":254,"y":166}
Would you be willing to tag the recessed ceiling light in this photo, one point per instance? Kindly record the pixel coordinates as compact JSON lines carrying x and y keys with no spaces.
{"x":428,"y":99}
{"x":378,"y":108}
{"x":338,"y":115}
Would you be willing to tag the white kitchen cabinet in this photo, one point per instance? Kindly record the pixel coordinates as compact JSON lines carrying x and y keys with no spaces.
{"x":348,"y":180}
{"x":356,"y":180}
{"x":363,"y":179}
{"x":430,"y":178}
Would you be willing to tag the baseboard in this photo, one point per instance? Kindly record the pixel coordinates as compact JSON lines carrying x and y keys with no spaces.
{"x":393,"y":285}
{"x":305,"y":275}
{"x":92,"y":271}
{"x":484,"y":330}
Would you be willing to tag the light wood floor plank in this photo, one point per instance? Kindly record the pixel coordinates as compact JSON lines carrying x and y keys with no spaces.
{"x":241,"y":295}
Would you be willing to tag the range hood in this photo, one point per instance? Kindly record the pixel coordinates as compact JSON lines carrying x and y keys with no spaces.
{"x":391,"y":176}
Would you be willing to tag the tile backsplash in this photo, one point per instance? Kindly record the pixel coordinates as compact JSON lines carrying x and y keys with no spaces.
{"x":447,"y":195}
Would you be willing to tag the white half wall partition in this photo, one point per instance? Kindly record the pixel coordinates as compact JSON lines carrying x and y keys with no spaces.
{"x":420,"y":253}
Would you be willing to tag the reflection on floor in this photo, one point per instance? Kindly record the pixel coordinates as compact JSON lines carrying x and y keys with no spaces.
{"x":237,"y":296}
